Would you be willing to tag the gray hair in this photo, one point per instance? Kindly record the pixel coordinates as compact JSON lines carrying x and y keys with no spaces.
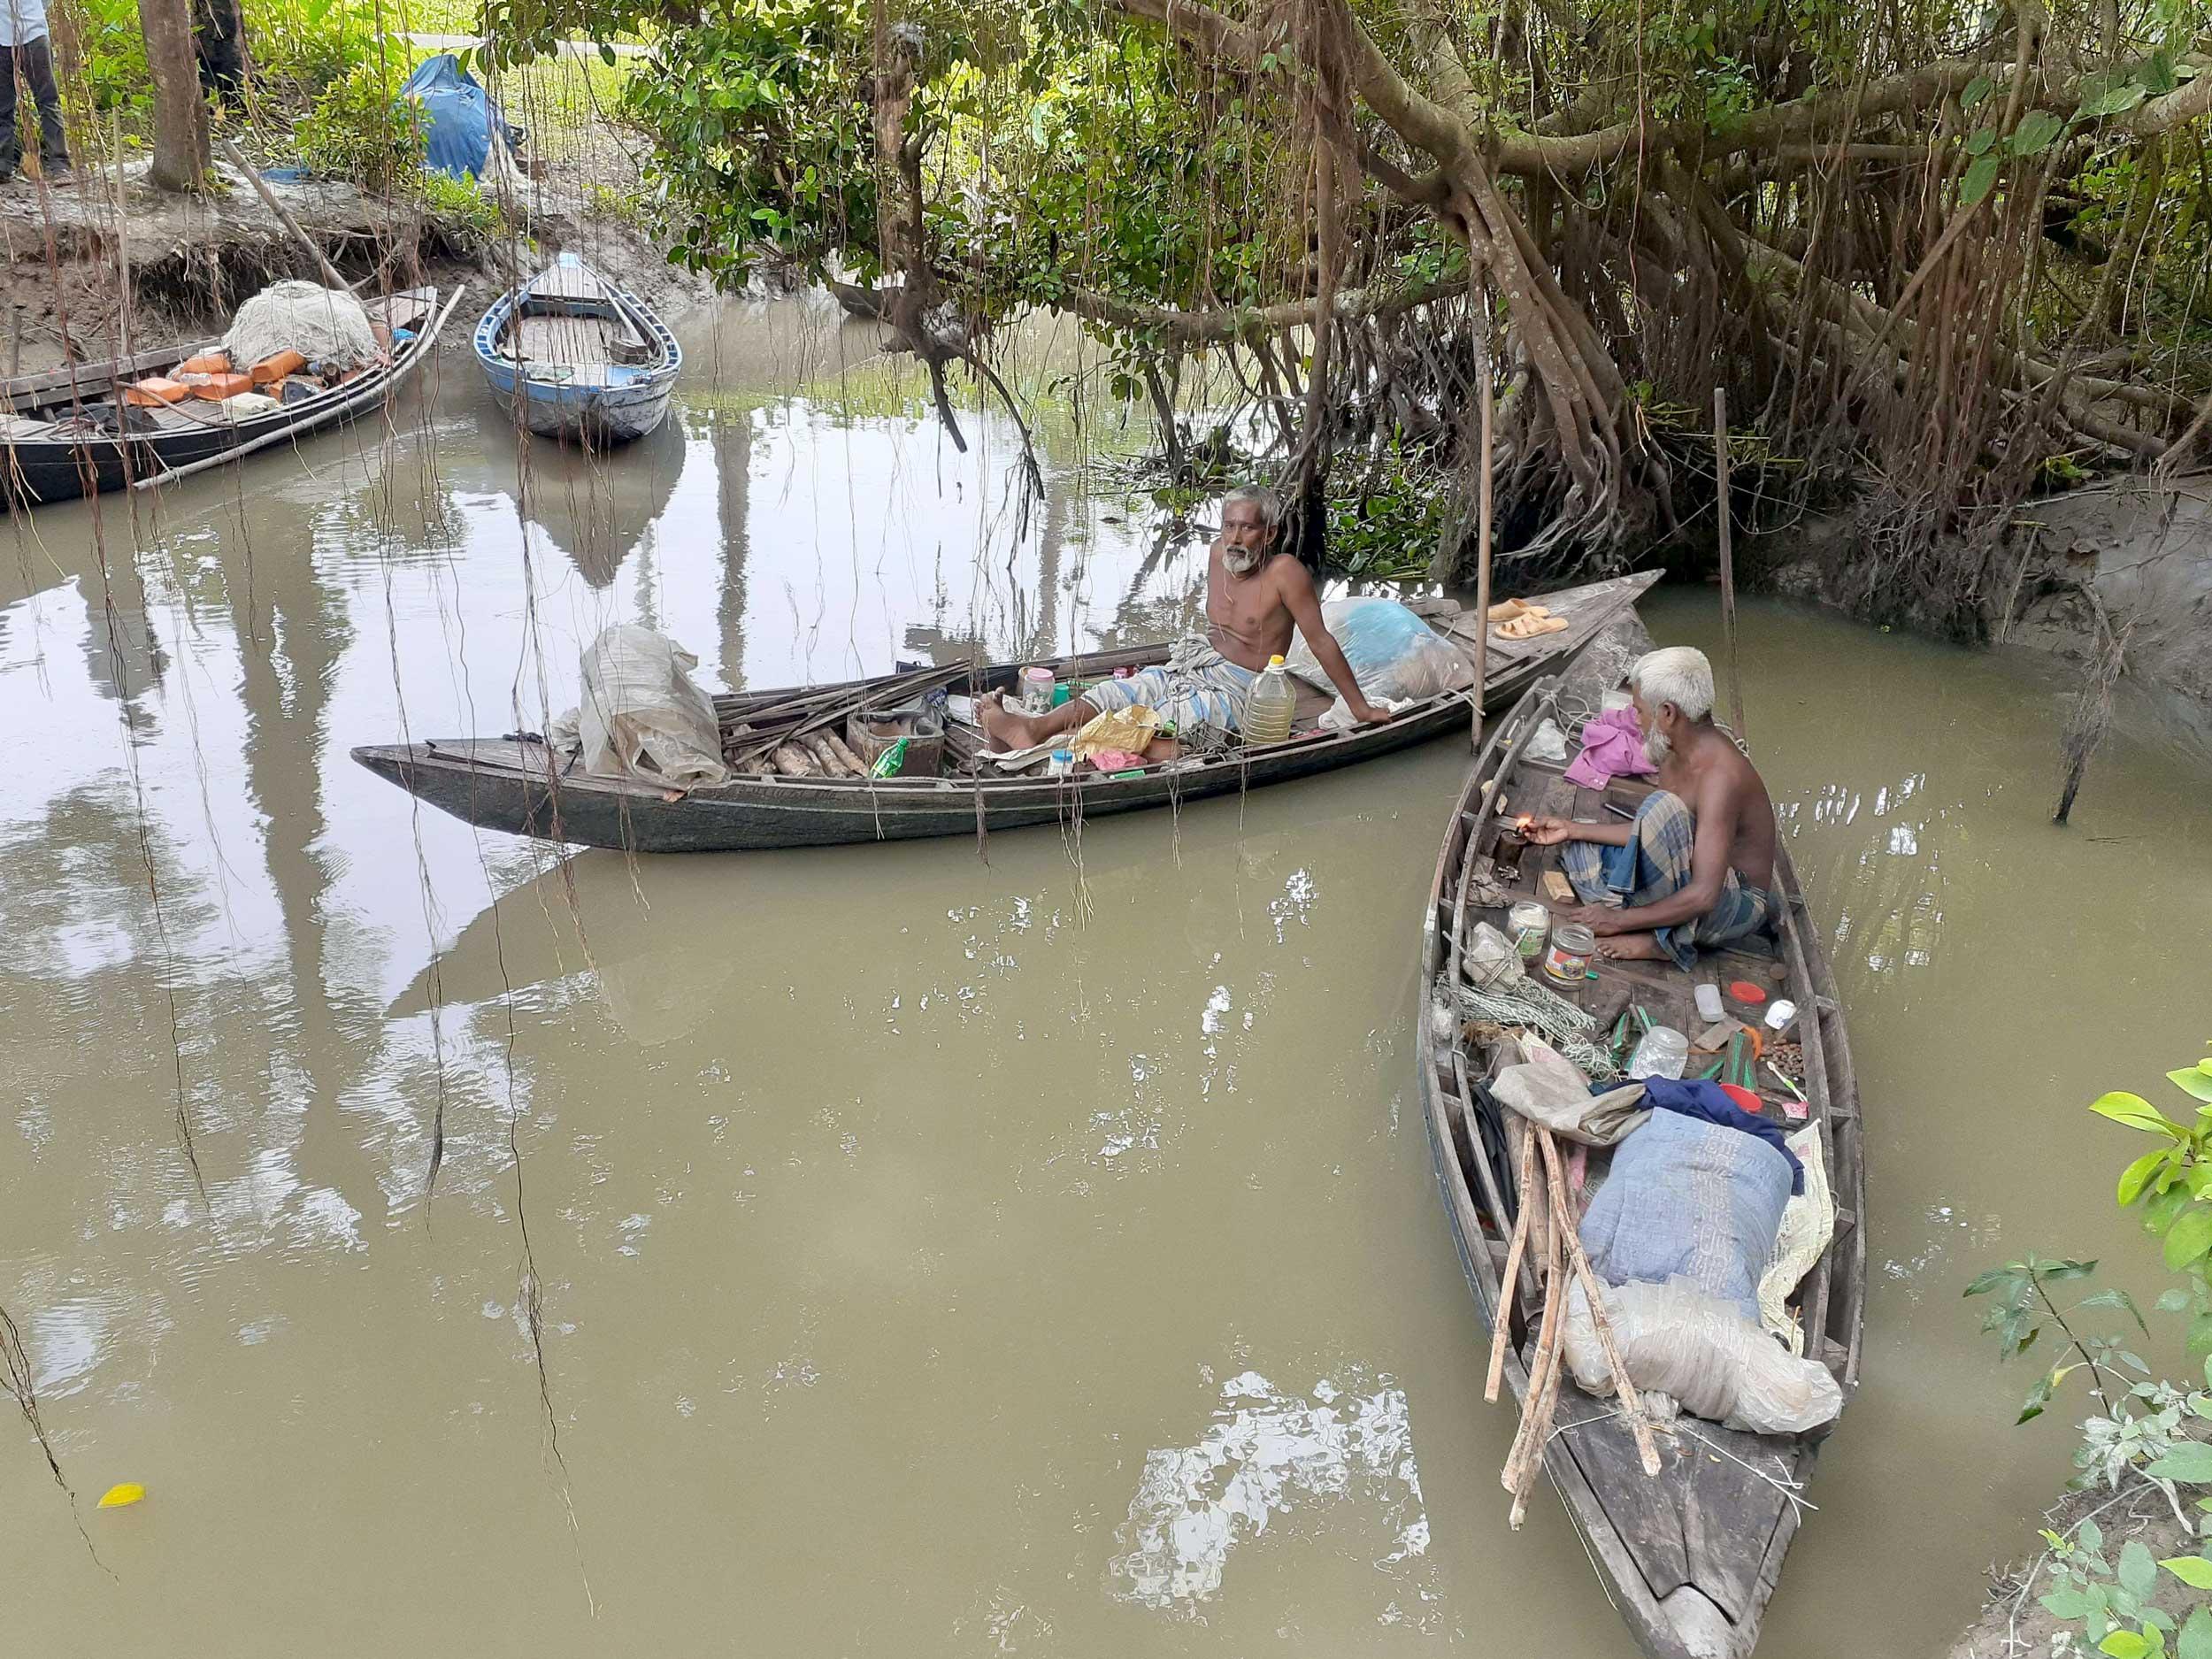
{"x":1679,"y":674}
{"x":1263,"y":501}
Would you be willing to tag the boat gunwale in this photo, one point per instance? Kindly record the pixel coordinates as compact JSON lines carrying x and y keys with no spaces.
{"x":1332,"y":749}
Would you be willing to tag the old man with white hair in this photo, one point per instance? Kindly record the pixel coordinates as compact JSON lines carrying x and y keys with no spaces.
{"x":1696,"y":867}
{"x":1256,"y":596}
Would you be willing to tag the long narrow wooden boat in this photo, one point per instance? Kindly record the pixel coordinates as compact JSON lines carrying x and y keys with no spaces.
{"x":1691,"y":1556}
{"x":572,"y":357}
{"x":95,"y":452}
{"x":523,"y":789}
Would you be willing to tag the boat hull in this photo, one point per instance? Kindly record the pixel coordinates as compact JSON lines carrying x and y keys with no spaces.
{"x":524,"y":789}
{"x":600,"y":406}
{"x":38,"y":473}
{"x":592,"y":417}
{"x":1691,"y":1557}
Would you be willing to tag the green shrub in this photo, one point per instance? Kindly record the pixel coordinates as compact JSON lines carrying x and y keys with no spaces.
{"x":111,"y":56}
{"x":302,"y":48}
{"x":358,"y":129}
{"x":470,"y":217}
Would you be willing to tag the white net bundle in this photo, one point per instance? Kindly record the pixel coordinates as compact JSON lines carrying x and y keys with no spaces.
{"x":322,"y":324}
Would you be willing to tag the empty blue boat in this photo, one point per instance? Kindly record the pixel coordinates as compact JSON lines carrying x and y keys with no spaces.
{"x":574,"y":358}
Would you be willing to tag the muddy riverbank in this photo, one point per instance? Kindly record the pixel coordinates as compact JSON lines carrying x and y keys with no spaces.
{"x":191,"y":258}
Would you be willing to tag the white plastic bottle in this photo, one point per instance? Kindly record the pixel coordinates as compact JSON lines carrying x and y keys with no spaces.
{"x":1269,"y":705}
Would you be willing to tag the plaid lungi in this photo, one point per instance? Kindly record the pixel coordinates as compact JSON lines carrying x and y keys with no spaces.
{"x":1196,"y":688}
{"x":1656,"y":865}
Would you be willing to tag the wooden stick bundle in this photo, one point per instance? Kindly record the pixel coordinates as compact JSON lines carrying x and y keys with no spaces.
{"x":1564,"y":1257}
{"x":1500,"y":1333}
{"x":1632,"y":1405}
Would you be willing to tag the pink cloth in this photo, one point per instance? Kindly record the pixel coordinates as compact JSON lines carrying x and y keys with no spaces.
{"x":1612,"y":747}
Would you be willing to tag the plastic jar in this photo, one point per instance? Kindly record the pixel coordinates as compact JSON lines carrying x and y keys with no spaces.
{"x":1663,"y":1052}
{"x":1529,"y":925}
{"x":1037,"y":686}
{"x":1062,"y":764}
{"x":1567,"y":958}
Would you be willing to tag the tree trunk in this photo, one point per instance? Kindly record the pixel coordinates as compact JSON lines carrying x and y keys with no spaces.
{"x":180,"y":158}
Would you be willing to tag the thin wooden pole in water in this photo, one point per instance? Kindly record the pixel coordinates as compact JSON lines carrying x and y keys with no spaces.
{"x":1727,"y":554}
{"x":1482,"y":561}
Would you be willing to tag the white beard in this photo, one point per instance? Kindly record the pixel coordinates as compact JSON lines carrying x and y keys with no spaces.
{"x":1239,"y":562}
{"x":1657,"y":748}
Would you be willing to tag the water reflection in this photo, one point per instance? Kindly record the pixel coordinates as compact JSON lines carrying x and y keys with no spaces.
{"x":914,"y":1198}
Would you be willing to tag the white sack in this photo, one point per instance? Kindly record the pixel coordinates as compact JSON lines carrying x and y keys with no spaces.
{"x":641,"y":717}
{"x":1676,"y":1340}
{"x":1393,"y":653}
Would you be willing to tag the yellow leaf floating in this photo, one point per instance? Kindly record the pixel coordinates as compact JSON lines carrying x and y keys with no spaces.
{"x":123,"y":1496}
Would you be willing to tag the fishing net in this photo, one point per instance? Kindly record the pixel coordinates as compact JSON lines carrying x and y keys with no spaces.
{"x":322,"y":324}
{"x":1502,"y":993}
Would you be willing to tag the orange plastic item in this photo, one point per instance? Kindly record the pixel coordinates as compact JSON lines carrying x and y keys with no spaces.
{"x":215,"y":387}
{"x":154,"y":391}
{"x":1744,"y":990}
{"x":1743,"y":1096}
{"x":211,"y":363}
{"x":272,"y":369}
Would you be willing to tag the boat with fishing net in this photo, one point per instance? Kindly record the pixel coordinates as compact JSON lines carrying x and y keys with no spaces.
{"x":153,"y":417}
{"x":797,"y":764}
{"x":572,"y":357}
{"x":1677,"y":1410}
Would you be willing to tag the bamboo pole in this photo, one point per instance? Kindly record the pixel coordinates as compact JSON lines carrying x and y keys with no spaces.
{"x":331,"y":278}
{"x":1500,"y":1330}
{"x":1727,"y":556}
{"x":1482,"y":561}
{"x":122,"y":249}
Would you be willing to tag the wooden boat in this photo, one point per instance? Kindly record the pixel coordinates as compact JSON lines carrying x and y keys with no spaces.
{"x":1689,"y":1556}
{"x":574,"y":358}
{"x":95,"y":450}
{"x":523,"y":787}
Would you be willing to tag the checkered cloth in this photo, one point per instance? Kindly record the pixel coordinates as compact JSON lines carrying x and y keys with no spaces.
{"x":1197,"y":689}
{"x":1656,"y":865}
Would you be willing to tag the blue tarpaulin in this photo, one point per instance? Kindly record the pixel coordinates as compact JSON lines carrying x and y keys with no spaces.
{"x":458,"y":114}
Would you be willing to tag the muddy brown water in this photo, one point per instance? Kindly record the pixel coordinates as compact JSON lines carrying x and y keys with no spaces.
{"x":935,"y":1255}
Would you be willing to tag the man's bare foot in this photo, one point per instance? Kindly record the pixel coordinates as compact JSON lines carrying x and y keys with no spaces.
{"x":1631,"y":947}
{"x":1007,"y":730}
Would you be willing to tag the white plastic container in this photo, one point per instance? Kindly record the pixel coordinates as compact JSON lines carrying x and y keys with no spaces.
{"x":1062,"y":764}
{"x":1038,"y":685}
{"x":1779,"y":1013}
{"x":1664,"y":1052}
{"x":1708,"y":1004}
{"x":1269,"y":705}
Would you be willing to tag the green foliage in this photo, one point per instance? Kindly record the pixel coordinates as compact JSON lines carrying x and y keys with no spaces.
{"x":302,"y":48}
{"x":466,"y":213}
{"x":111,"y":56}
{"x":2145,"y":1428}
{"x":1385,"y":523}
{"x":360,"y":129}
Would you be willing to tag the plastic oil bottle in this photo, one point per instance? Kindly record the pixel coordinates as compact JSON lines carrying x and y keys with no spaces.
{"x":1270,"y":704}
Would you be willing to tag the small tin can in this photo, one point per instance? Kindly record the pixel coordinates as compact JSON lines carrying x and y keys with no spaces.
{"x":1529,"y":923}
{"x":1567,"y":960}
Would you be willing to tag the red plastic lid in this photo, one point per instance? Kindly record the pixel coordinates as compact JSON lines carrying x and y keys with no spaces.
{"x":1743,"y":1097}
{"x":1744,"y":990}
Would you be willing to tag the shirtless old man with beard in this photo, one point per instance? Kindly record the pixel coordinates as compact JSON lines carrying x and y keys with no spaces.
{"x":1255,"y":599}
{"x":1696,"y":868}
